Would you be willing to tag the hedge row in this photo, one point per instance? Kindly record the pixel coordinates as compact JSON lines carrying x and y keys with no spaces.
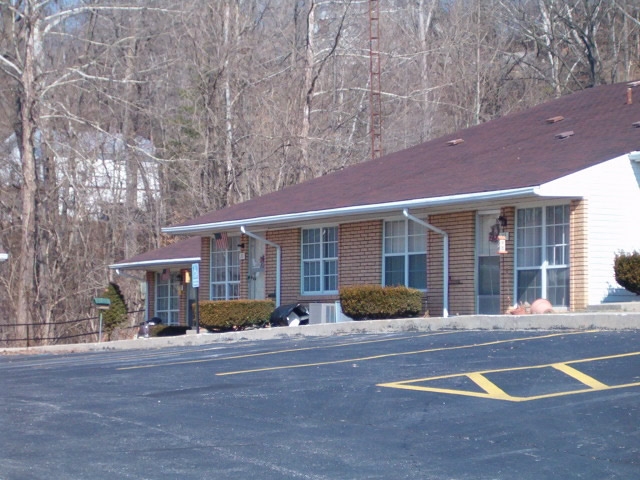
{"x":369,"y":302}
{"x":627,"y":271}
{"x":235,"y":314}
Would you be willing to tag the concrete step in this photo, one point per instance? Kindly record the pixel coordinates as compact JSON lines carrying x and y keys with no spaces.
{"x":615,"y":307}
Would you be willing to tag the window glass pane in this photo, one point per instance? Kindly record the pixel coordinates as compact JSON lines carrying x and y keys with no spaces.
{"x":394,"y":237}
{"x":489,"y":275}
{"x":394,"y":270}
{"x":319,"y":245}
{"x":529,"y":285}
{"x":558,"y":286}
{"x":331,"y":275}
{"x":418,"y":271}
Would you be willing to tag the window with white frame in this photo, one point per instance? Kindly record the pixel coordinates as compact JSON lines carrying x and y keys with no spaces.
{"x":405,"y":254}
{"x":542,"y":254}
{"x":167,"y":302}
{"x":320,"y":260}
{"x":225,"y":268}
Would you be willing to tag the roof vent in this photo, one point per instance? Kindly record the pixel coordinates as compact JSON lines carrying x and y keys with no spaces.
{"x":636,"y":124}
{"x":564,"y":135}
{"x":557,"y":119}
{"x":457,"y":141}
{"x":634,"y":84}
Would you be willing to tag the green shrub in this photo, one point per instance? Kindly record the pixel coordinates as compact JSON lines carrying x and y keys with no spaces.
{"x":366,"y":302}
{"x":235,"y":314}
{"x":116,"y":315}
{"x":167,"y":330}
{"x":627,"y":271}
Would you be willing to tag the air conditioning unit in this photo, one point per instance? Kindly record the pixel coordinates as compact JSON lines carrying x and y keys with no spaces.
{"x":322,"y":313}
{"x":327,"y":313}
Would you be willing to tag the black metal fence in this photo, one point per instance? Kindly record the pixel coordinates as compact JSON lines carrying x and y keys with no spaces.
{"x":82,"y":324}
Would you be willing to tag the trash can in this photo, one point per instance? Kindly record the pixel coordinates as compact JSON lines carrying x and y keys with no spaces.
{"x":290,"y":315}
{"x":143,"y":330}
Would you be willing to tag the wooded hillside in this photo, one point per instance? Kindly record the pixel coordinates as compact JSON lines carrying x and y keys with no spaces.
{"x":120,"y":117}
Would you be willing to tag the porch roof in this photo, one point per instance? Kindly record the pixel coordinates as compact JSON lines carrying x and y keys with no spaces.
{"x":508,"y":157}
{"x":183,"y":252}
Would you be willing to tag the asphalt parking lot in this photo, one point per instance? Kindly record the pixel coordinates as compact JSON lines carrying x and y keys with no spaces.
{"x":429,"y":405}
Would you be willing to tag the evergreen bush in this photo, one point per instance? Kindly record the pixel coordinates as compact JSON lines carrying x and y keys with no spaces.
{"x":627,"y":271}
{"x":235,"y":314}
{"x":368,"y":302}
{"x":116,"y":315}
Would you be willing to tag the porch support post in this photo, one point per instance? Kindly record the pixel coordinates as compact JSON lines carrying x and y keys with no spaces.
{"x":278,"y":259}
{"x":445,"y":261}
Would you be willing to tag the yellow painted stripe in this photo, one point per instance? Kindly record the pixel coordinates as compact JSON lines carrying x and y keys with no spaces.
{"x":581,"y":377}
{"x":487,"y":385}
{"x":277,"y":352}
{"x":400,"y":354}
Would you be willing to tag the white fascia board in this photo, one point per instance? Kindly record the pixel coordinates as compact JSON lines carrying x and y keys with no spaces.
{"x":356,"y":210}
{"x":154,"y":263}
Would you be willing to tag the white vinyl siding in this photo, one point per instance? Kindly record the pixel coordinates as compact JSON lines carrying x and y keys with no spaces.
{"x":611,"y":191}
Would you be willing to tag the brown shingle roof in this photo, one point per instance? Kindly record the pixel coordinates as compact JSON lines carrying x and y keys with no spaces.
{"x":185,"y":251}
{"x":520,"y":150}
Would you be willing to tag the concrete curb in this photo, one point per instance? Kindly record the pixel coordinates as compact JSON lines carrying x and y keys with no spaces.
{"x":564,"y":321}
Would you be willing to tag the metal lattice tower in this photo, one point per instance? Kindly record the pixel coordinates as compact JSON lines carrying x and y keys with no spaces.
{"x":374,"y":79}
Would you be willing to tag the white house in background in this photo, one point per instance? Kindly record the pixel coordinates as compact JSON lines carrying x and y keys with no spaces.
{"x":94,"y":169}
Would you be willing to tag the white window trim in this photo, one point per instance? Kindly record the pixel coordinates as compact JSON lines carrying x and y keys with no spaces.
{"x":544,"y":267}
{"x":233,"y":240}
{"x":321,"y":260}
{"x":406,"y":253}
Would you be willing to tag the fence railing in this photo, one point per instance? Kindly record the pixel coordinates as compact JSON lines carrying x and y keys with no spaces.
{"x":62,"y":338}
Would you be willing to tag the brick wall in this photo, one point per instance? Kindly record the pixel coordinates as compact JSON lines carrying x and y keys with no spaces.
{"x":289,"y":241}
{"x":461,"y":230}
{"x":244,"y":267}
{"x":151,"y":294}
{"x":506,"y":261}
{"x":578,"y":256}
{"x":360,"y":251}
{"x":205,"y":270}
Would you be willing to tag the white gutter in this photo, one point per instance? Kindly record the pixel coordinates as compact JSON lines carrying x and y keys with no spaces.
{"x":445,"y":261}
{"x":128,"y":275}
{"x":154,"y":263}
{"x":357,"y":210}
{"x":278,"y":259}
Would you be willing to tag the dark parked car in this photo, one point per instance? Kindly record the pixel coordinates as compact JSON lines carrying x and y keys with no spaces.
{"x":290,"y":315}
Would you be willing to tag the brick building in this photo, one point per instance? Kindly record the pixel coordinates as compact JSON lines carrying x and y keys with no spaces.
{"x":532,"y":205}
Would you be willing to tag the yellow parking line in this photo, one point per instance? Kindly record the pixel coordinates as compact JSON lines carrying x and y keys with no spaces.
{"x":278,"y":352}
{"x":581,"y":377}
{"x":487,"y":385}
{"x":399,"y":354}
{"x":494,"y":392}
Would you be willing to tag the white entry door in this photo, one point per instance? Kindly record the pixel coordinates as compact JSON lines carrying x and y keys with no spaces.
{"x":256,"y":269}
{"x":487,"y":265}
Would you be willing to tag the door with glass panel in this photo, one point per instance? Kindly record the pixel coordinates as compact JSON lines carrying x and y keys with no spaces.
{"x":256,"y":270}
{"x":487,"y":265}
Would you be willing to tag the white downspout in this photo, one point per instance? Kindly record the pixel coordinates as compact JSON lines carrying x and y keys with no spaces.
{"x":445,"y":261}
{"x":278,"y":259}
